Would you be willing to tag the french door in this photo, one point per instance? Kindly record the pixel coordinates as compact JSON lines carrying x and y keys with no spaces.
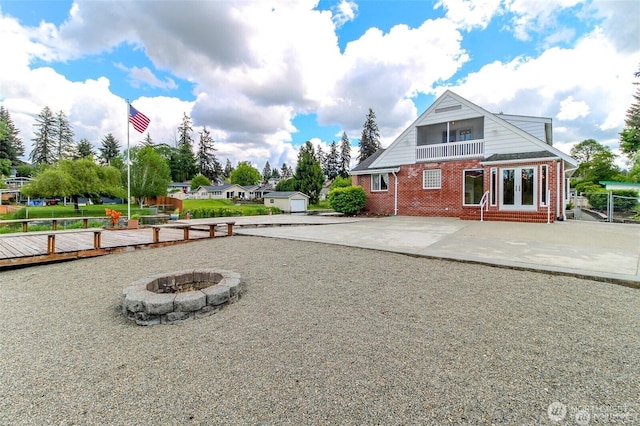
{"x":518,"y":188}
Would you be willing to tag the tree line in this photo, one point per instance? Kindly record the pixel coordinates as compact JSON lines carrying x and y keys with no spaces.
{"x":64,"y":168}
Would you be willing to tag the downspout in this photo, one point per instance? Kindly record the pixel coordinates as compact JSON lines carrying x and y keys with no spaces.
{"x":560,"y":198}
{"x":567,"y":185}
{"x":395,"y":194}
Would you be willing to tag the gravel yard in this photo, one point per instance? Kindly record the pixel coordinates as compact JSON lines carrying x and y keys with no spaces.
{"x":323,"y":335}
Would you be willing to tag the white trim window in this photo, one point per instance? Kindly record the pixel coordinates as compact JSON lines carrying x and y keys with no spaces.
{"x":380,"y":182}
{"x":544,"y":184}
{"x":473,"y":187}
{"x":431,"y":179}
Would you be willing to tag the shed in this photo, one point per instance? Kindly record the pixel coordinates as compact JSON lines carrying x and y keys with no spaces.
{"x":287,"y":201}
{"x":613,"y":186}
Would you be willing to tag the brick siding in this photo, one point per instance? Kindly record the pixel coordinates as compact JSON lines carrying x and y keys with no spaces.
{"x":447,"y":201}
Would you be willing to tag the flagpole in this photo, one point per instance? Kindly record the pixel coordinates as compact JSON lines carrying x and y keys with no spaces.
{"x":128,"y":164}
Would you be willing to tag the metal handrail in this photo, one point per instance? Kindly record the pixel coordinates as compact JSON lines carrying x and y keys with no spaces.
{"x":484,"y":201}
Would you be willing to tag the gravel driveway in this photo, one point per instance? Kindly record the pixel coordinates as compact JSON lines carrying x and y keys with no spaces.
{"x":324,"y":335}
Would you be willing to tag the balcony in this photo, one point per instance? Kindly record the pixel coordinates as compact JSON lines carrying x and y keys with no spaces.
{"x":450,"y":151}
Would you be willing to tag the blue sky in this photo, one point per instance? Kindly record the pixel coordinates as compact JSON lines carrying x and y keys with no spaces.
{"x":265,"y":77}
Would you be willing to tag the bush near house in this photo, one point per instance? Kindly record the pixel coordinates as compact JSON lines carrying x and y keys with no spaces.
{"x":347,"y":200}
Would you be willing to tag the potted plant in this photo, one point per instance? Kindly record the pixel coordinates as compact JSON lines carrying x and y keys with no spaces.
{"x":175,"y":215}
{"x":134,"y":221}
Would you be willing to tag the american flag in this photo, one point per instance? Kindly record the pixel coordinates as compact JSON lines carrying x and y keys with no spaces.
{"x":138,"y":119}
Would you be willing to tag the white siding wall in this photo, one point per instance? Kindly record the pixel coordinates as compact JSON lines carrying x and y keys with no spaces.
{"x":532,"y":127}
{"x":500,"y":140}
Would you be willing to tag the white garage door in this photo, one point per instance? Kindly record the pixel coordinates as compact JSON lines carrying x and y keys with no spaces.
{"x":297,"y":205}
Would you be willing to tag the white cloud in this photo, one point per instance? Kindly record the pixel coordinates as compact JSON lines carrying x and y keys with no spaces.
{"x":539,"y":85}
{"x":570,"y":109}
{"x":344,"y":12}
{"x":535,"y":16}
{"x":255,"y":66}
{"x":470,"y":14}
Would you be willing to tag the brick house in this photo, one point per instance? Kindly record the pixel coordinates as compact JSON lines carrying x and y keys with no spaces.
{"x":457,"y":157}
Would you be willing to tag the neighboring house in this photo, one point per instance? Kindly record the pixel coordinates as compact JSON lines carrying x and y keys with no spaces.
{"x":287,"y":201}
{"x":614,"y":186}
{"x":183,"y":187}
{"x":257,"y":191}
{"x":226,"y":191}
{"x":457,"y":155}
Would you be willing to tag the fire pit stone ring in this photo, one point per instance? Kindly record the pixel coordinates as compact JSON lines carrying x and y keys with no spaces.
{"x":180,"y":296}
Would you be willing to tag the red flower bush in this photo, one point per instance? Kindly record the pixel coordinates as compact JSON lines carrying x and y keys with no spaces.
{"x":115,"y":216}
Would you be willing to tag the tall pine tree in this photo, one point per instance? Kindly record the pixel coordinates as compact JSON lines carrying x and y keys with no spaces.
{"x":333,"y":162}
{"x":110,"y":148}
{"x":44,"y":143}
{"x":228,"y":169}
{"x":65,"y":146}
{"x":266,"y":172}
{"x":345,"y":156}
{"x":185,"y":160}
{"x":630,"y":136}
{"x":370,"y":140}
{"x":208,"y":164}
{"x":84,"y":149}
{"x":11,"y":146}
{"x":309,"y":177}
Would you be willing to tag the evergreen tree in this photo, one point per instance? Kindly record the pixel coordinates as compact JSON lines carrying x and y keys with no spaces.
{"x":147,"y":141}
{"x":110,"y":148}
{"x":44,"y":143}
{"x":630,"y":135}
{"x":11,"y":146}
{"x":275,"y":173}
{"x":322,"y":158}
{"x":308,"y":177}
{"x":266,"y":172}
{"x":345,"y":156}
{"x":208,"y":165}
{"x":370,"y":140}
{"x":65,"y":147}
{"x":228,"y":169}
{"x":84,"y":149}
{"x":332,"y":163}
{"x":285,"y":171}
{"x":185,"y":161}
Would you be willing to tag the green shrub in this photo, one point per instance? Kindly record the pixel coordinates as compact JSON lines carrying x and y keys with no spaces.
{"x":340,"y":182}
{"x":347,"y":200}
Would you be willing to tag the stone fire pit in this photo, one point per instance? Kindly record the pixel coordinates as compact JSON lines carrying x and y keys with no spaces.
{"x":180,"y":296}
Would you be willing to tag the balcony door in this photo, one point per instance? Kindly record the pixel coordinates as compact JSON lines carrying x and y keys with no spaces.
{"x":518,"y":188}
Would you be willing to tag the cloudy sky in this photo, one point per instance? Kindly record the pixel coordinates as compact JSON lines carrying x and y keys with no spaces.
{"x":267,"y":75}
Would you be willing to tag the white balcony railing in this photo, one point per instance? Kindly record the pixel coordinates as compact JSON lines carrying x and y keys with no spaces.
{"x":450,"y":151}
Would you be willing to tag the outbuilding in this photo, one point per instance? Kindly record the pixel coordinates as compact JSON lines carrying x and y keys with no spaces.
{"x":287,"y":201}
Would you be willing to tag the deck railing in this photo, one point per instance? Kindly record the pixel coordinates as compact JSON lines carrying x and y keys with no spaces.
{"x":450,"y":150}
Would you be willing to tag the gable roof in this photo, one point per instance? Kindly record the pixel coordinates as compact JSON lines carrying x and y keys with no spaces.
{"x":379,"y":162}
{"x":364,"y":164}
{"x":284,"y":194}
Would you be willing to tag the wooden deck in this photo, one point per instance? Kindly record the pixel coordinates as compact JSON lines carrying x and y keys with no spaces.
{"x":22,"y":249}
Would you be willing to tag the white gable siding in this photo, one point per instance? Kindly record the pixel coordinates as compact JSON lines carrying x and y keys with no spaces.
{"x":503,"y":133}
{"x":533,"y":127}
{"x":499,"y":139}
{"x":403,"y":151}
